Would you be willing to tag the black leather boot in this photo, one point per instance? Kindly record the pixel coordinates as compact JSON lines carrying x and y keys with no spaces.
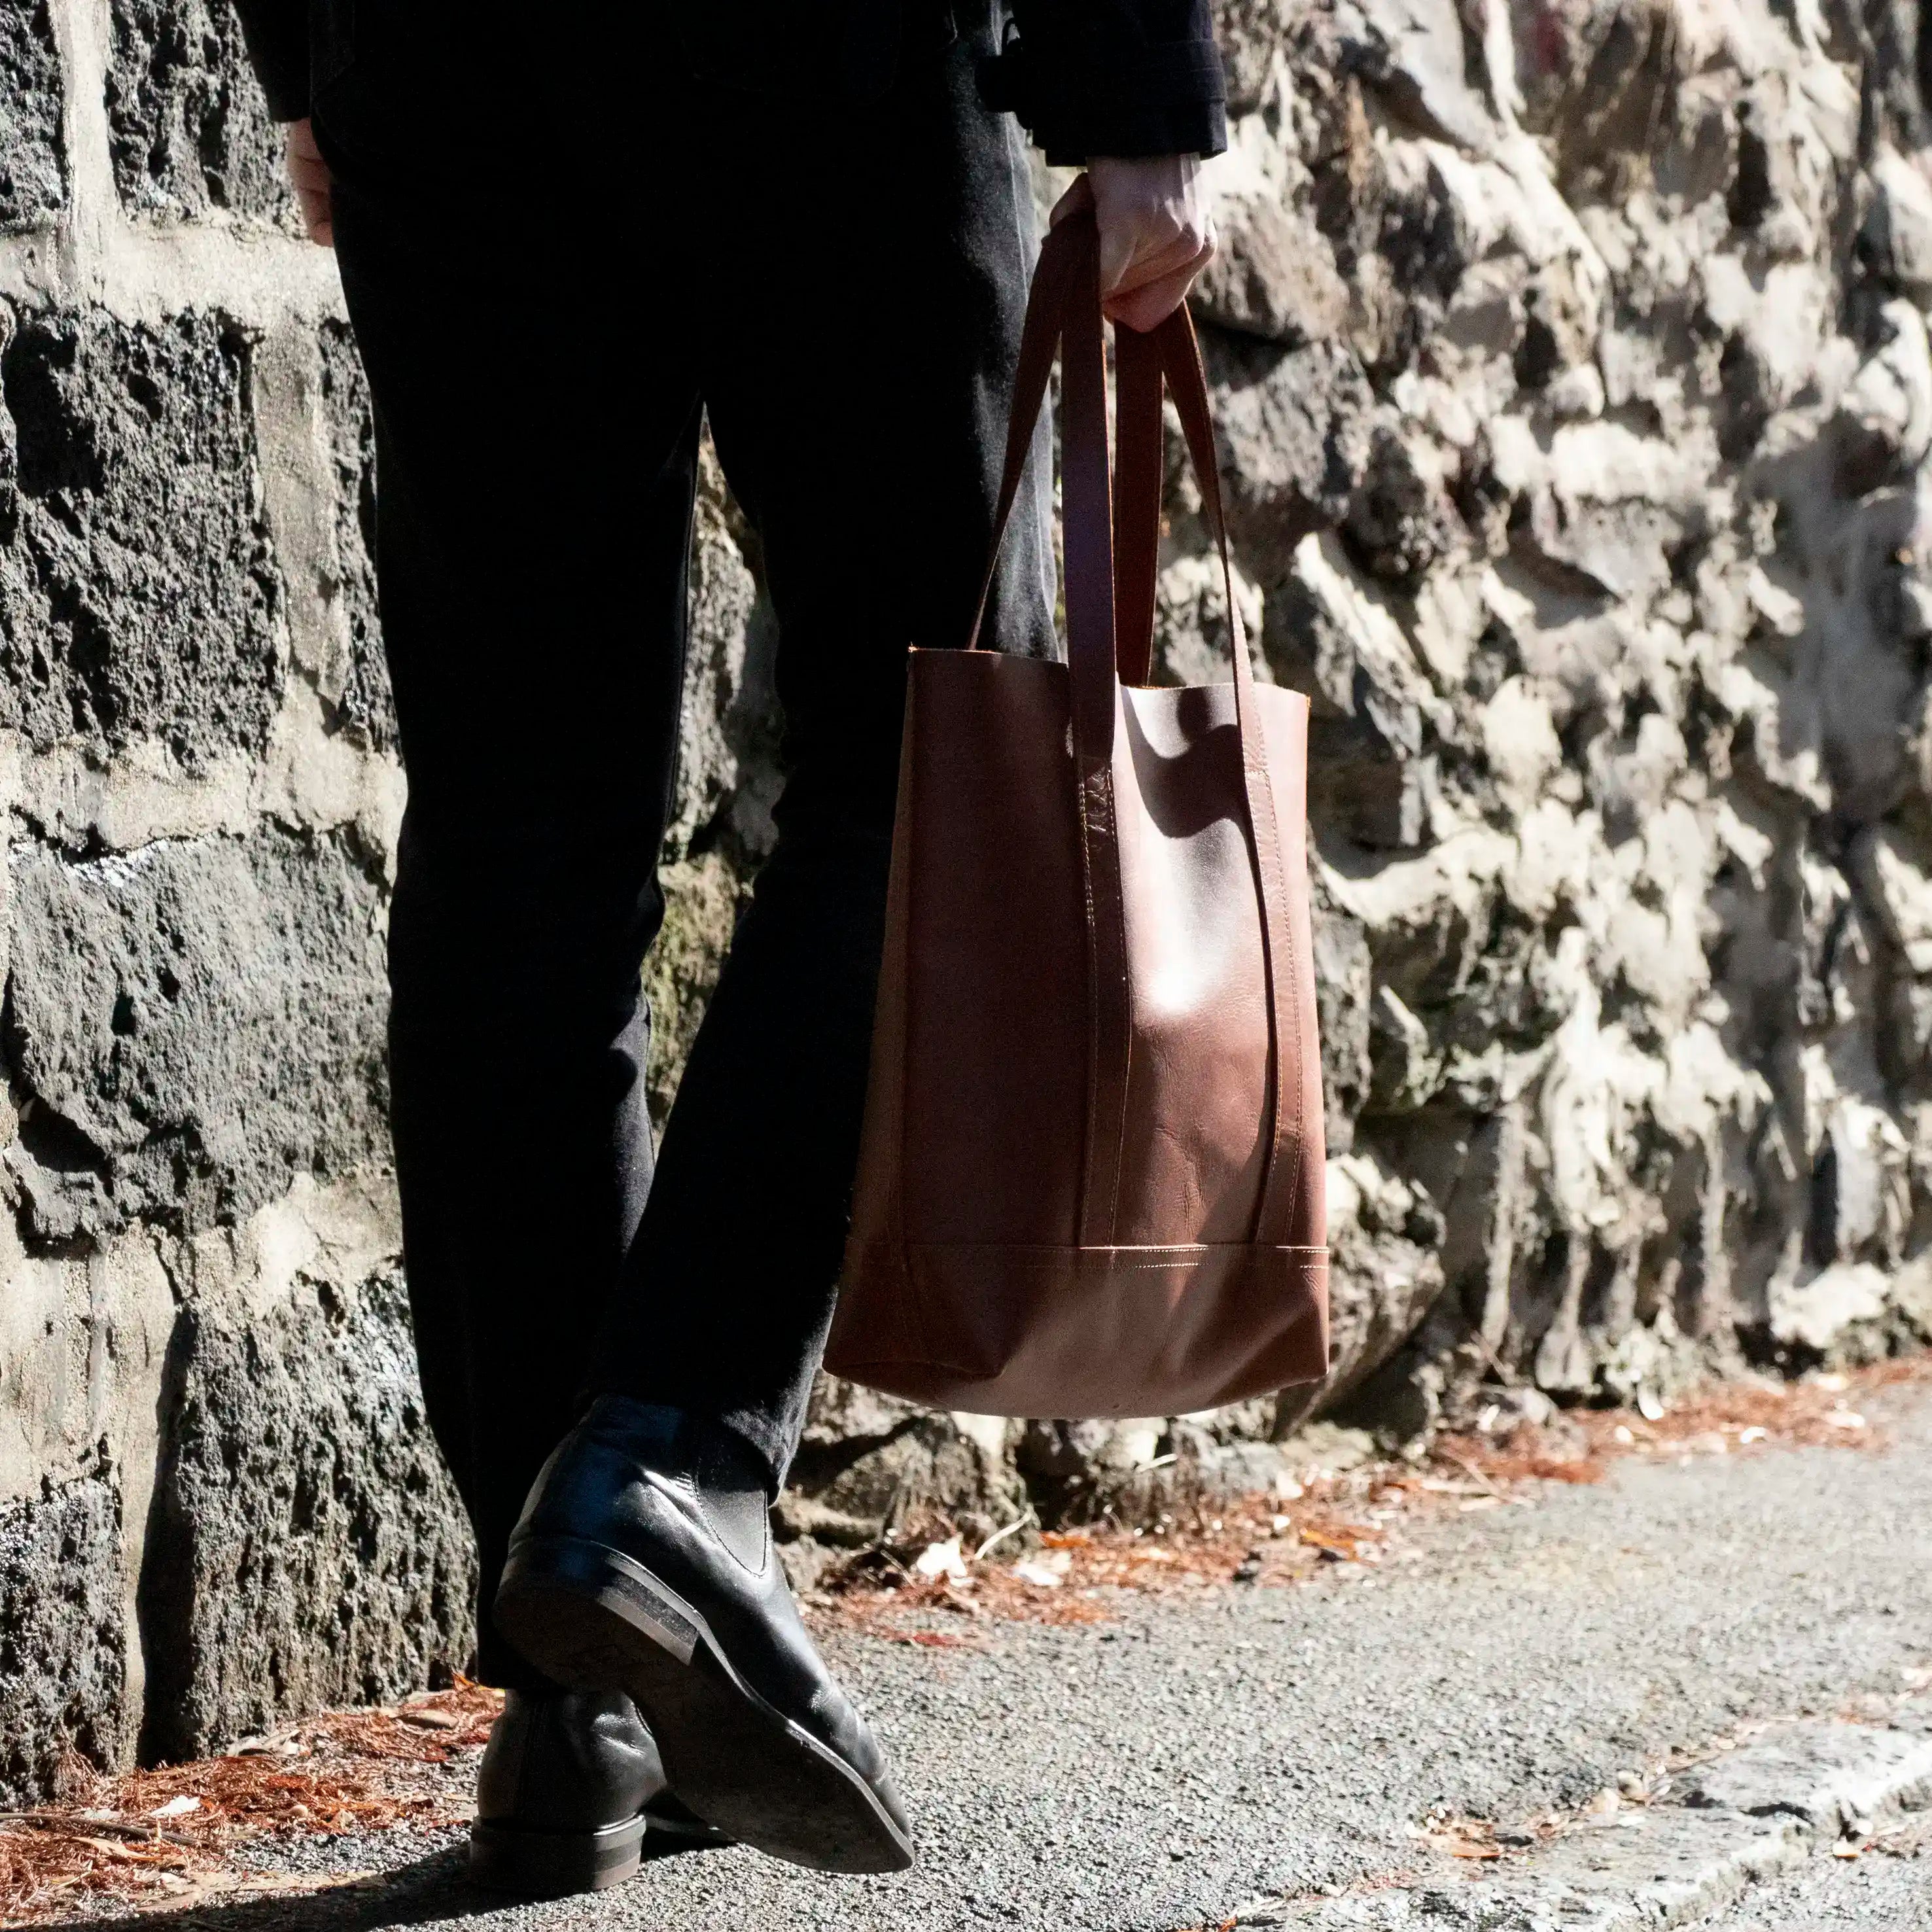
{"x":644,"y":1562}
{"x":571,"y":1796}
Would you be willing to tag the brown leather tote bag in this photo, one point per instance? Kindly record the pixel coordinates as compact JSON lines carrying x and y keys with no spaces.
{"x":1090,"y":1182}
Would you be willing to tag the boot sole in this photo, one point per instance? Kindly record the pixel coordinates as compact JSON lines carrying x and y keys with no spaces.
{"x":590,"y":1618}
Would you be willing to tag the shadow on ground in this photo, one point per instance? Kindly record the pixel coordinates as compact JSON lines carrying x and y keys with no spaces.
{"x":435,"y":1887}
{"x":432,"y":1889}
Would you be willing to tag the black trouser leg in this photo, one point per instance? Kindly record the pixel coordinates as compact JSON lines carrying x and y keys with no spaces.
{"x":844,"y":290}
{"x":535,"y":464}
{"x":869,"y":296}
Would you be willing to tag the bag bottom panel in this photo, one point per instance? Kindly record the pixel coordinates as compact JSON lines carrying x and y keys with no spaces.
{"x":1072,"y":1334}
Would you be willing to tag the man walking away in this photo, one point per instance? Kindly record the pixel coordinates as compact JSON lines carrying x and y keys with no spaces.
{"x":809,"y":222}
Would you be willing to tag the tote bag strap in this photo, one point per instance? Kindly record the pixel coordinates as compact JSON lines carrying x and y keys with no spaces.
{"x":1064,"y":308}
{"x":1139,"y":453}
{"x":1111,"y":552}
{"x":1063,"y":313}
{"x":1088,"y":522}
{"x":1136,"y":509}
{"x":1172,"y":350}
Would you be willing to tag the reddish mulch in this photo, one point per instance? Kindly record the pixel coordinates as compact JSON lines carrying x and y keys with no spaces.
{"x":166,"y":1837}
{"x":1337,"y":1522}
{"x":1254,"y":1540}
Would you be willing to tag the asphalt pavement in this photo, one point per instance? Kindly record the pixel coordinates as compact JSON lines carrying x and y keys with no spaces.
{"x":1196,"y":1759}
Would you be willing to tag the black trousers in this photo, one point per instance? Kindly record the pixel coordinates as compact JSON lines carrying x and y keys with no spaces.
{"x":841,"y":294}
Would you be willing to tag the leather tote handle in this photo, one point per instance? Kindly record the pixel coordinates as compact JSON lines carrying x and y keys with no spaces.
{"x":1138,"y":450}
{"x":1064,"y":312}
{"x":1172,"y":351}
{"x":1110,"y":608}
{"x":1168,"y":356}
{"x":1039,"y":339}
{"x":1064,"y":306}
{"x":1054,"y":318}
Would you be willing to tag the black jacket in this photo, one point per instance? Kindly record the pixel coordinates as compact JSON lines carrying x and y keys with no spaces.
{"x":1086,"y":77}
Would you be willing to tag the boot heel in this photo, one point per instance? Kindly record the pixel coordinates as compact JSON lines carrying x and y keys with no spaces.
{"x":550,"y":1864}
{"x":556,"y":1599}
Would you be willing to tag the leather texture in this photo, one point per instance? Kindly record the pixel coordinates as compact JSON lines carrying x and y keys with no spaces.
{"x":1091,"y":1179}
{"x":567,"y":1761}
{"x":572,"y":1796}
{"x":666,"y":1490}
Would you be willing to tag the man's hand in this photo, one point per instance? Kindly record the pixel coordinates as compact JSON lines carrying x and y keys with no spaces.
{"x":1156,"y":233}
{"x":309,"y":174}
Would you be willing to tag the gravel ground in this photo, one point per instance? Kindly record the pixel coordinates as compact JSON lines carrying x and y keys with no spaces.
{"x":1878,"y":1894}
{"x":1157,"y":1773}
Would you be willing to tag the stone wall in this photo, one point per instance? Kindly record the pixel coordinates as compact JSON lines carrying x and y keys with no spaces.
{"x":219,"y":1502}
{"x":1576,"y":404}
{"x":1572,"y":369}
{"x":218,"y":1498}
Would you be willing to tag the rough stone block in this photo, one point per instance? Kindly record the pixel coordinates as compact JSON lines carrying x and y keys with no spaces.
{"x":196,"y":1023}
{"x":367,"y":706}
{"x":1383,"y":1237}
{"x":33,"y":177}
{"x":728,"y":738}
{"x":1899,"y":224}
{"x":871,"y":1467}
{"x":63,"y":1637}
{"x":1342,"y":981}
{"x":306,"y":1549}
{"x":1250,"y":31}
{"x":1293,"y":428}
{"x":187,"y":123}
{"x":1274,"y":277}
{"x":136,"y":588}
{"x":1081,"y":1471}
{"x":702,"y":899}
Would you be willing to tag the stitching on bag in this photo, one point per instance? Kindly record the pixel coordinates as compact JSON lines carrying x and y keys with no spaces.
{"x":1291,"y":971}
{"x":1118,"y":906}
{"x":1259,"y":769}
{"x":1083,"y":780}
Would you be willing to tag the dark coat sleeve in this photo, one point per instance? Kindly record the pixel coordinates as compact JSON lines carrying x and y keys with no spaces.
{"x":277,"y":32}
{"x":1125,"y":77}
